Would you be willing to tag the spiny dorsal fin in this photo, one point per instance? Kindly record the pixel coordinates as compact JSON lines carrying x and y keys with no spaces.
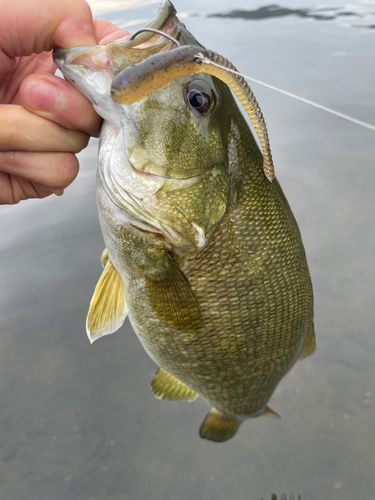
{"x":108,"y":309}
{"x":166,"y":386}
{"x":173,"y":299}
{"x":310,"y":347}
{"x":268,"y":412}
{"x":218,"y":427}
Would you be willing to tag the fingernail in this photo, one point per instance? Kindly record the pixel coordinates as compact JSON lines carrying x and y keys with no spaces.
{"x":59,"y":193}
{"x":42,"y":95}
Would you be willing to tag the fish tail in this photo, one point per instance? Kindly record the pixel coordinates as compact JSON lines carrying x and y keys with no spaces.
{"x":219,"y":427}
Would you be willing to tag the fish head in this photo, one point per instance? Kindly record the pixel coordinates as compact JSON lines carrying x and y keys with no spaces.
{"x":163,"y":159}
{"x":91,"y":69}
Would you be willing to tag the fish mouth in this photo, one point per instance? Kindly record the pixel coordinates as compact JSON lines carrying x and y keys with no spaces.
{"x":91,"y":70}
{"x":91,"y":57}
{"x":116,"y":55}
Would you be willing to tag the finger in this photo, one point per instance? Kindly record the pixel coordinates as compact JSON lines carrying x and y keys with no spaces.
{"x":57,"y":100}
{"x":14,"y":189}
{"x":37,"y":27}
{"x":21,"y":130}
{"x":36,"y":63}
{"x":107,"y":31}
{"x":52,"y":170}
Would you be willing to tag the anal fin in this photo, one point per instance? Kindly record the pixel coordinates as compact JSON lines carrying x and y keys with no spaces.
{"x":309,"y":349}
{"x":219,"y":427}
{"x":167,"y":386}
{"x":108,"y":309}
{"x":173,"y":299}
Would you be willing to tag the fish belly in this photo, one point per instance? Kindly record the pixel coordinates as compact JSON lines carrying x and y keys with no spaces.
{"x":254,"y":290}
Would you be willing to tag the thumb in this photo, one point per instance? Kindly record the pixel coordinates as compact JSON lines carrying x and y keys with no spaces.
{"x":39,"y":26}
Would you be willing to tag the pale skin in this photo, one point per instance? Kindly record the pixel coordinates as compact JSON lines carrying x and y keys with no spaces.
{"x":44,"y":121}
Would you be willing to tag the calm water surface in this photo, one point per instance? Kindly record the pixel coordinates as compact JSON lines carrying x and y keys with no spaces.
{"x":79,"y":421}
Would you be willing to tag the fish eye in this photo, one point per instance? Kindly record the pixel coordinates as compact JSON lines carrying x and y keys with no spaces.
{"x":199,"y":96}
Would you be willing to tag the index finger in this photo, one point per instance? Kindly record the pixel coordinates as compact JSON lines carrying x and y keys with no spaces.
{"x":107,"y":31}
{"x":71,"y":110}
{"x":57,"y":100}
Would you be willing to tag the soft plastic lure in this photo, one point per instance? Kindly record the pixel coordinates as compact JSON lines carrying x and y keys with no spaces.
{"x":138,"y":80}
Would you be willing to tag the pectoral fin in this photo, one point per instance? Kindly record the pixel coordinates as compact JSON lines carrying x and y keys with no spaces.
{"x":166,"y":386}
{"x":108,"y":309}
{"x":173,"y":299}
{"x":219,"y":427}
{"x":309,"y":349}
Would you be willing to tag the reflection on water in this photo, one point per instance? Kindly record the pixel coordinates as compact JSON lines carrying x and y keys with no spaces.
{"x":319,"y":14}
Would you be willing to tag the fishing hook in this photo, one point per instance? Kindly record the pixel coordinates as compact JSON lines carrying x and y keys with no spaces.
{"x":152,"y":30}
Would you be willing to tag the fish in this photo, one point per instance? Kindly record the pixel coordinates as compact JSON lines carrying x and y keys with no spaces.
{"x":203,"y":253}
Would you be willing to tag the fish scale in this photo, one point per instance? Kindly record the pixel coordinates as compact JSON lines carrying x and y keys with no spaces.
{"x":261,"y":353}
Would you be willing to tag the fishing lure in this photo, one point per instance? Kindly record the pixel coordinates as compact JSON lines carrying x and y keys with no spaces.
{"x":138,"y":80}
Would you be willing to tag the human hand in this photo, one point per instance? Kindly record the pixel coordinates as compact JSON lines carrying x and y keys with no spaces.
{"x":44,"y":120}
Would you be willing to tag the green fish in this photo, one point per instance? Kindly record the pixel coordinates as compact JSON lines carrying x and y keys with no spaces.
{"x":203,"y":252}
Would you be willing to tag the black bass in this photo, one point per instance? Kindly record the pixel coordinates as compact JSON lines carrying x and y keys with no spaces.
{"x":203,"y":252}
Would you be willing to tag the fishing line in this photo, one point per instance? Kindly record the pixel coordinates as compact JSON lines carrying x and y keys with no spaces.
{"x":200,"y":57}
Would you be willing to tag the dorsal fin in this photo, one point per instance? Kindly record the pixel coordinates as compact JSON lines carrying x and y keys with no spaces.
{"x":167,"y":386}
{"x":173,"y":299}
{"x":108,"y":309}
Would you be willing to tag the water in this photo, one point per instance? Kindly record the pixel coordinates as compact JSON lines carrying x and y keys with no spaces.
{"x":79,"y":421}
